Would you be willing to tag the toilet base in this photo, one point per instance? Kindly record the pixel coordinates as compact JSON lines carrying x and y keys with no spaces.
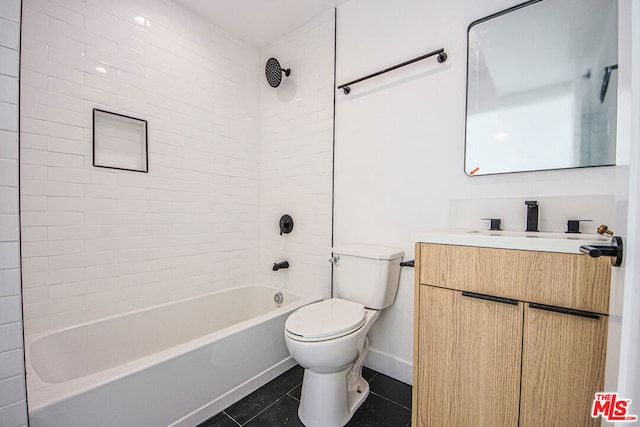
{"x":327,"y":400}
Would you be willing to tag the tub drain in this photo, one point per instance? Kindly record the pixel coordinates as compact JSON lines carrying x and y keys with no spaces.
{"x":278,"y":298}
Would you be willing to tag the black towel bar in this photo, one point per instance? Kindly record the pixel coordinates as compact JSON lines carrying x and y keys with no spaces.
{"x":442,"y":57}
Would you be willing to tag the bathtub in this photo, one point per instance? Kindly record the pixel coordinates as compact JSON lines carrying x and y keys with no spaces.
{"x":174,"y":364}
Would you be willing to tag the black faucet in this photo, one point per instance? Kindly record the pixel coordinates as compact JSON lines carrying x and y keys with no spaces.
{"x":532,"y":215}
{"x":278,"y":265}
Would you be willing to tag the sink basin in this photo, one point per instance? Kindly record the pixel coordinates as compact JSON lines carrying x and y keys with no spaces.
{"x":522,"y":240}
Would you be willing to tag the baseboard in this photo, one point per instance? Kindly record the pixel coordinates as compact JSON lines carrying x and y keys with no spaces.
{"x":210,"y":409}
{"x":389,"y":365}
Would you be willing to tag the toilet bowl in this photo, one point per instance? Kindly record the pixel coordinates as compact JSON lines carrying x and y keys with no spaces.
{"x":332,"y":387}
{"x":329,"y":338}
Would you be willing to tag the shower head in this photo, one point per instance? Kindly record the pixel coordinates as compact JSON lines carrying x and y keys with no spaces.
{"x":273,"y":72}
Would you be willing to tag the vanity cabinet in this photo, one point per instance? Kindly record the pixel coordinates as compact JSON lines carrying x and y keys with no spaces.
{"x":508,"y":337}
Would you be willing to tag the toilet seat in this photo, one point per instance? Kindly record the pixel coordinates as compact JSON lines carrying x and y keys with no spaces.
{"x":325,"y":320}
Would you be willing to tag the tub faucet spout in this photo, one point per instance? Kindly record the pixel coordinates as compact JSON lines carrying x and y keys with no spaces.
{"x":278,"y":265}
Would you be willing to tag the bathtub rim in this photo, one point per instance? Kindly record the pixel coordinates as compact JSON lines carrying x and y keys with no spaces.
{"x":41,"y":394}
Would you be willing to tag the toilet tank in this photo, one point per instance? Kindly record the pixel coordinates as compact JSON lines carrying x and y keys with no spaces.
{"x":367,"y":274}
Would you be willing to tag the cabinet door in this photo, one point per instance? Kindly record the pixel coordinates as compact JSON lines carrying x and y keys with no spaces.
{"x":469,"y":359}
{"x":563,"y":363}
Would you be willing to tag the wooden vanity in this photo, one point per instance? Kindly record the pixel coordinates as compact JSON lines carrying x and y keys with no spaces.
{"x":507,"y":337}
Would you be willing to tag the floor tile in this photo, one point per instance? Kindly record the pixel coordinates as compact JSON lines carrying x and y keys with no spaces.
{"x":276,"y":404}
{"x":392,"y":389}
{"x":368,"y":374}
{"x":377,"y":411}
{"x":257,"y":401}
{"x":296,"y":392}
{"x":220,"y":420}
{"x":282,"y":413}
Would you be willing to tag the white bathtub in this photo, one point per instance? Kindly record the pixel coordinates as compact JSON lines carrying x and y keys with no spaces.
{"x":173,"y":364}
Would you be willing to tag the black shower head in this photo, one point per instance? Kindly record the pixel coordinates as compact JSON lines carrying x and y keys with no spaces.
{"x":273,"y":72}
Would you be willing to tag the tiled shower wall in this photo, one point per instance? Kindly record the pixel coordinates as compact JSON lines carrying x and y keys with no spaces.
{"x":296,"y":155}
{"x":100,"y":241}
{"x":13,"y":409}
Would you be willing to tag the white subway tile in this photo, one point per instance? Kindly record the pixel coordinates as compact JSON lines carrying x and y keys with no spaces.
{"x":9,"y":34}
{"x":8,"y":61}
{"x":9,"y":197}
{"x":10,"y":336}
{"x":45,"y":188}
{"x":42,"y":127}
{"x":10,"y":309}
{"x":9,"y":117}
{"x":36,"y":22}
{"x":35,"y":280}
{"x":9,"y":228}
{"x":33,"y":173}
{"x":85,"y":176}
{"x":68,"y":146}
{"x":8,"y":88}
{"x":11,"y":364}
{"x":62,"y":13}
{"x":15,"y":414}
{"x":66,"y":276}
{"x":83,"y":92}
{"x":36,"y":310}
{"x":9,"y":282}
{"x":9,"y":255}
{"x":35,"y":295}
{"x":101,"y":271}
{"x":49,"y":248}
{"x":48,"y":158}
{"x":66,"y":261}
{"x":8,"y":145}
{"x":34,"y":203}
{"x":37,"y":325}
{"x":35,"y":264}
{"x":116,"y":235}
{"x":67,"y":290}
{"x":35,"y":218}
{"x":10,"y":10}
{"x":33,"y":141}
{"x":12,"y":390}
{"x":53,"y":70}
{"x":65,"y":305}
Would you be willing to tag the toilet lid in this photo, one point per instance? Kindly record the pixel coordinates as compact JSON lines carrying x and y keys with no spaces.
{"x":323,"y":320}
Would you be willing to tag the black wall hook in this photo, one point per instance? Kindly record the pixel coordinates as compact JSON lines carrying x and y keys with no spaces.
{"x":615,"y":251}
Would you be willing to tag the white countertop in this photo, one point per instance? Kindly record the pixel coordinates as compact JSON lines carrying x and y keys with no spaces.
{"x":521,"y":240}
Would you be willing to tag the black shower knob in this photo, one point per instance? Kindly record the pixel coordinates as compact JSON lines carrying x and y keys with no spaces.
{"x":286,"y":224}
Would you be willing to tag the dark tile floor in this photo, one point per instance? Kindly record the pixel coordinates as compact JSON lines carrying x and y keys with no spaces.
{"x":276,"y":404}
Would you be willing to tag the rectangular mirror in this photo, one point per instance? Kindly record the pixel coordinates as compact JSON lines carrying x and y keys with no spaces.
{"x":542,"y":86}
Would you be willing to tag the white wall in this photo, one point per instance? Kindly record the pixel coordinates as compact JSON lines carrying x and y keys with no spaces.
{"x":13,"y":408}
{"x":296,"y":155}
{"x":100,"y":241}
{"x":400,"y":143}
{"x":625,"y":292}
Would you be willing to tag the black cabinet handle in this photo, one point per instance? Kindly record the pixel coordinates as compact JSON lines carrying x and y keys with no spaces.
{"x":562,"y":310}
{"x":490,"y":298}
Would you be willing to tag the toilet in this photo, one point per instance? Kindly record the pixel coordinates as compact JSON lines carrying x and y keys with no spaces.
{"x":329,"y":338}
